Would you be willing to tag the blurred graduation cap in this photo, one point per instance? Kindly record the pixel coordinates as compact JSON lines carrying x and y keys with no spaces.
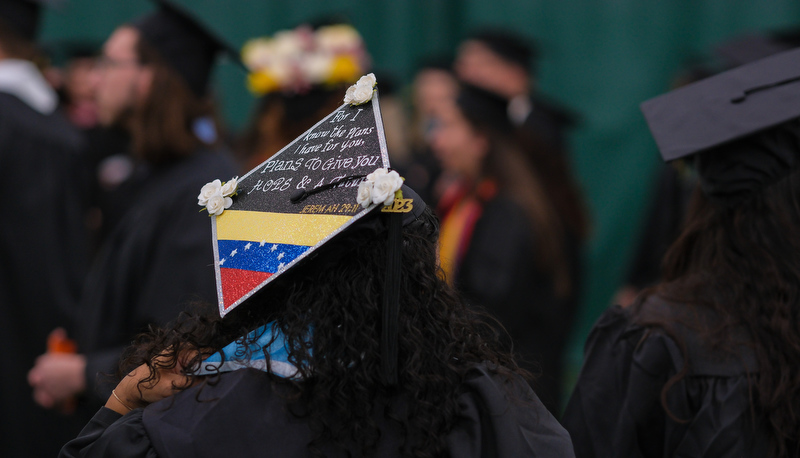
{"x":184,"y":43}
{"x":509,"y":46}
{"x":484,"y":108}
{"x":22,"y":16}
{"x":743,"y":121}
{"x":301,"y":199}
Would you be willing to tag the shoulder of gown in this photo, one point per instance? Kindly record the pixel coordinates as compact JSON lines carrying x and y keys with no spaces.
{"x":616,"y":408}
{"x":110,"y":434}
{"x":501,"y":416}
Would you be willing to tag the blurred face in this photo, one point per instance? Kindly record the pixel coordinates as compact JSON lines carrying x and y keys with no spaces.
{"x":78,"y":80}
{"x":120,"y":82}
{"x":458,"y":146}
{"x":433,"y":90}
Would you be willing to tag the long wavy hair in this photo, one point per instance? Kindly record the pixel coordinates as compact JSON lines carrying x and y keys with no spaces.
{"x":162,"y":126}
{"x":743,"y":262}
{"x":337,"y":294}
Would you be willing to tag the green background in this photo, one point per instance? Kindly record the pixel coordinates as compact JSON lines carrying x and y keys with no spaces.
{"x":599,"y":57}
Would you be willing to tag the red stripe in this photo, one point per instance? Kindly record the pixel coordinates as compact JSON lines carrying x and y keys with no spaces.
{"x":236,"y":283}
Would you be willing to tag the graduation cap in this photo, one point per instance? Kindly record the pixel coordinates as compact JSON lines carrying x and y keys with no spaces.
{"x":302,"y":198}
{"x":22,"y":16}
{"x":484,"y":108}
{"x":725,"y":107}
{"x":184,"y":43}
{"x":741,"y":120}
{"x":509,"y":46}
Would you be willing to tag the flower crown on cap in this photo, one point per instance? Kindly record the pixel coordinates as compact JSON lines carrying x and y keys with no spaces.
{"x":295,"y":60}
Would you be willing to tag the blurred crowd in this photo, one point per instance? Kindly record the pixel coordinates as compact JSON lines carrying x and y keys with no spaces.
{"x":104,"y":147}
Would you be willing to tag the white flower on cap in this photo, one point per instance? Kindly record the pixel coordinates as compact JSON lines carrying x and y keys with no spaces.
{"x":229,"y":187}
{"x":367,"y":80}
{"x":217,"y":204}
{"x":207,"y":191}
{"x":364,"y":197}
{"x":379,"y":187}
{"x":361,"y":92}
{"x":216,"y":195}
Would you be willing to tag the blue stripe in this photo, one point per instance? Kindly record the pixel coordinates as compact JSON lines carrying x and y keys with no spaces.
{"x":236,"y":254}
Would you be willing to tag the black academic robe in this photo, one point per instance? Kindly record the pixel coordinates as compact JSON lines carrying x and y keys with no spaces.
{"x":156,"y":261}
{"x":245,"y":415}
{"x":616,"y":409}
{"x":499,"y":272}
{"x":42,"y":261}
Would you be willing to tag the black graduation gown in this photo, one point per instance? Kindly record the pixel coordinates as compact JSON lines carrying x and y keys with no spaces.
{"x":616,"y":410}
{"x":499,"y":272}
{"x":244,"y":416}
{"x":157,"y":260}
{"x":42,"y":261}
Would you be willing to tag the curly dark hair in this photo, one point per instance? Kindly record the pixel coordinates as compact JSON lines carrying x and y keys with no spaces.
{"x":743,"y":262}
{"x":337,"y":294}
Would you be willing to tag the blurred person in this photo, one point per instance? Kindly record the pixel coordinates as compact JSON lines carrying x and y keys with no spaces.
{"x":109,"y":159}
{"x":151,"y":80}
{"x":42,"y":238}
{"x":433,"y":90}
{"x":361,"y":349}
{"x":707,"y":362}
{"x":512,"y":231}
{"x":300,"y":75}
{"x":504,"y":63}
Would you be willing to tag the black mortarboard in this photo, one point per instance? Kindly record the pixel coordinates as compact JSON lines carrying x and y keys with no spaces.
{"x":320,"y":185}
{"x":725,"y":107}
{"x":743,"y":122}
{"x":22,"y":16}
{"x":509,"y":46}
{"x":484,"y":108}
{"x":184,"y":43}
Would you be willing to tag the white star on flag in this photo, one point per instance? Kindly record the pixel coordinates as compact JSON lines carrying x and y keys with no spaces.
{"x":262,"y":243}
{"x":280,"y":266}
{"x":222,"y":261}
{"x":274,"y":247}
{"x":247,"y":247}
{"x":280,"y":256}
{"x":233,"y":253}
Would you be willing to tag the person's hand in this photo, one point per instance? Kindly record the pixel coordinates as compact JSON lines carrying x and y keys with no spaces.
{"x":131,"y":394}
{"x":57,"y":378}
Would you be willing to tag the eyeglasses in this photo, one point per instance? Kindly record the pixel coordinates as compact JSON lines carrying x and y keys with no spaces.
{"x":105,"y":63}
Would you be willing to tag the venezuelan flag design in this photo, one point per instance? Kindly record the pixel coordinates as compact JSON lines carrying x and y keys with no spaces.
{"x":252,"y":246}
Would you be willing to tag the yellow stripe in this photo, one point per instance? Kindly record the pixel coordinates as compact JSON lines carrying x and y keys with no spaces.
{"x":291,"y":228}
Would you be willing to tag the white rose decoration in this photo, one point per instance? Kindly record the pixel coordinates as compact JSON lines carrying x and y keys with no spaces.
{"x":374,"y":175}
{"x":217,"y":204}
{"x":385,"y":186}
{"x":367,"y":80}
{"x":361,"y":92}
{"x":229,"y":188}
{"x":364,"y":194}
{"x":207,"y":191}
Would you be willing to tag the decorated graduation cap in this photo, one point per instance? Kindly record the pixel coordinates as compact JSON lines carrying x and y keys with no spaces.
{"x":741,"y":125}
{"x":332,"y":177}
{"x":184,"y":43}
{"x":22,"y":16}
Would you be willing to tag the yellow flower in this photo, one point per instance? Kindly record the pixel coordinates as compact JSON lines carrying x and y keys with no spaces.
{"x":261,"y":83}
{"x":344,"y":69}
